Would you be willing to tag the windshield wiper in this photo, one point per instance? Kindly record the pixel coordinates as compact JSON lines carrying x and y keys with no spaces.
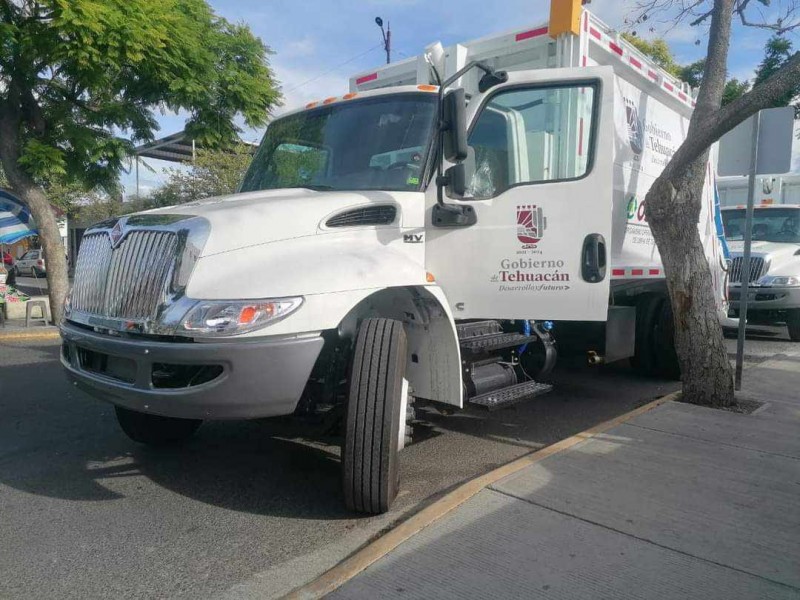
{"x":317,"y":187}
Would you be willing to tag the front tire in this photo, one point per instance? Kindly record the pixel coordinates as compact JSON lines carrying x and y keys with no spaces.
{"x":155,"y":430}
{"x":370,"y":474}
{"x":793,"y":324}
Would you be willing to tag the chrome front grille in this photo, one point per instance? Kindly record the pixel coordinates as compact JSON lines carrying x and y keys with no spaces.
{"x":127,"y":282}
{"x":757,"y":269}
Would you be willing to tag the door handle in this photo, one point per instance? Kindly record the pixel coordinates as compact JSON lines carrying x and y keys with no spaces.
{"x":593,"y":258}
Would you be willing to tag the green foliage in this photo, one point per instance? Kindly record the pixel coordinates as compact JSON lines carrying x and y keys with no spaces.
{"x":78,"y":77}
{"x":658,"y":50}
{"x":295,"y":164}
{"x":214,"y":173}
{"x":733,"y":90}
{"x":692,"y":73}
{"x":99,"y":209}
{"x":777,"y":51}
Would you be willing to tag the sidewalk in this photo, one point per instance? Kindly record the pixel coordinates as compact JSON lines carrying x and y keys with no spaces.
{"x":678,"y":502}
{"x":15,"y":330}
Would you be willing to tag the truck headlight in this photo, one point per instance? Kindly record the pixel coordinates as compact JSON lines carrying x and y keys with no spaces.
{"x":231,"y":317}
{"x":787,"y":280}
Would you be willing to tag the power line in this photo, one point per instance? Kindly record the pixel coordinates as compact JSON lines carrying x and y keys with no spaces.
{"x":332,"y":69}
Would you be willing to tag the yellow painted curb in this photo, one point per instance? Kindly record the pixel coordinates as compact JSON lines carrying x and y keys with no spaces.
{"x":356,"y":563}
{"x":35,"y":334}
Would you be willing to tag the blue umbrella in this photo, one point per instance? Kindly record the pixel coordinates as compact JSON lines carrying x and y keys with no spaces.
{"x":16,"y":222}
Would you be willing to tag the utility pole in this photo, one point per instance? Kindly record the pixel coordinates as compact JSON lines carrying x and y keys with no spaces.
{"x":387,"y":38}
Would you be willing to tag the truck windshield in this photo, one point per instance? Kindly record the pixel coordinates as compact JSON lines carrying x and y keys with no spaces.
{"x":769,"y":224}
{"x":372,"y":144}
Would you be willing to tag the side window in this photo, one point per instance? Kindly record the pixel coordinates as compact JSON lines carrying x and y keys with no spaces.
{"x":531,"y":135}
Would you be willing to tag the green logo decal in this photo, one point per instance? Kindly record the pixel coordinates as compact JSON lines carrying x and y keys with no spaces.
{"x":633,"y":204}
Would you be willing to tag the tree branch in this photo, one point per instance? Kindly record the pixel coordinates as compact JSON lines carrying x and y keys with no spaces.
{"x":677,"y":11}
{"x":715,"y":71}
{"x":717,"y":124}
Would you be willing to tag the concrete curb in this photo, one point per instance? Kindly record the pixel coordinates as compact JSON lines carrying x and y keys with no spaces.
{"x":356,"y":563}
{"x":45,"y":333}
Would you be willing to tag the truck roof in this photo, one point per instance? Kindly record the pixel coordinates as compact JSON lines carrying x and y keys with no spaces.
{"x":531,"y":47}
{"x":361,"y":96}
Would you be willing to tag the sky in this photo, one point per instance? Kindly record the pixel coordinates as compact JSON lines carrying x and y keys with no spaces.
{"x":319,"y":44}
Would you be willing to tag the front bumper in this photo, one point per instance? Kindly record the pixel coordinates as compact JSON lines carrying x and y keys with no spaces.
{"x":766,"y":298}
{"x":237,"y":379}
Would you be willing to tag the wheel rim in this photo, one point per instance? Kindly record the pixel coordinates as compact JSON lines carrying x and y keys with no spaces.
{"x":401,"y":430}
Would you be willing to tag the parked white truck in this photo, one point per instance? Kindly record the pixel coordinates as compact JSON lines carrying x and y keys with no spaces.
{"x":774,"y":280}
{"x":400,"y":243}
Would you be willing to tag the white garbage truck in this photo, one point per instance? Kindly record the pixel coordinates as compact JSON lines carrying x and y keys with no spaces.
{"x":439,"y":233}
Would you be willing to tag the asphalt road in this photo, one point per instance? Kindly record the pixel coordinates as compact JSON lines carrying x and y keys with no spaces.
{"x":247,"y":509}
{"x":33,"y":286}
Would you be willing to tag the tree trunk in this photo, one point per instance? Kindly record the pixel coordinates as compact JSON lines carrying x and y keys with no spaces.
{"x":673,"y":207}
{"x":33,"y":195}
{"x":673,"y":211}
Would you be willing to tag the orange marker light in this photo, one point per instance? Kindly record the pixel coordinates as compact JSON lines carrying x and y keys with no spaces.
{"x":311,"y":104}
{"x":247,"y":315}
{"x":350,"y":96}
{"x":427,"y":88}
{"x":329,"y":100}
{"x":429,"y":277}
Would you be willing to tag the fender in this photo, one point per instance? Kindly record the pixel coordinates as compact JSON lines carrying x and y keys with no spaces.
{"x":351,"y":276}
{"x":433,"y":365}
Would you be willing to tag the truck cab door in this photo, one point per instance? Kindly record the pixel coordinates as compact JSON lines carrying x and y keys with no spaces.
{"x":539,"y":178}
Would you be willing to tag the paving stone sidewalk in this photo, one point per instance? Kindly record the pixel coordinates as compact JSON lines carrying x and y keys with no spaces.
{"x":679,"y":502}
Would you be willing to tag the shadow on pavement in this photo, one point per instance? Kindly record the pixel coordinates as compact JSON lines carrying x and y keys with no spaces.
{"x":56,"y":441}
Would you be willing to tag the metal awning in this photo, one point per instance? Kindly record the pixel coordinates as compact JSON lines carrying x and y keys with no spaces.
{"x":173,"y":148}
{"x":177,"y":147}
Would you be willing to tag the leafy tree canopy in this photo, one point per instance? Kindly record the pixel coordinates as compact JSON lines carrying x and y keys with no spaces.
{"x":78,"y":77}
{"x":213,"y":173}
{"x":658,"y":50}
{"x":776,"y":54}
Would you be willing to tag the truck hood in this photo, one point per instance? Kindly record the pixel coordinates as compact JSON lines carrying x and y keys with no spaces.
{"x":254,"y":218}
{"x":783,"y":258}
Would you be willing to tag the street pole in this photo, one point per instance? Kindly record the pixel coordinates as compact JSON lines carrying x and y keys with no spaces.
{"x":388,"y":42}
{"x":748,"y":238}
{"x":387,"y":38}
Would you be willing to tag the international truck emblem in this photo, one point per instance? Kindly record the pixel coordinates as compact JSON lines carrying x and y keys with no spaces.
{"x":530,"y":224}
{"x":116,"y":234}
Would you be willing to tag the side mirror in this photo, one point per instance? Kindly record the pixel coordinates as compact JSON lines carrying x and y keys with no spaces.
{"x":456,"y":177}
{"x":454,"y":109}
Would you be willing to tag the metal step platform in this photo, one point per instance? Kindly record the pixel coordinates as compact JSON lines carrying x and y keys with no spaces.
{"x":477,"y":329}
{"x":480,"y":337}
{"x":511,"y":395}
{"x":496,"y":341}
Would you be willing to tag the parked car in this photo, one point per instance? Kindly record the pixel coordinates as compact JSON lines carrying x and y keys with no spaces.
{"x":31,"y":263}
{"x":774,"y":278}
{"x":8,"y":260}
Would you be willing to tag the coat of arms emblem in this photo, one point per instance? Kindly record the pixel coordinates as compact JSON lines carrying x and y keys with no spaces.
{"x":530,"y":224}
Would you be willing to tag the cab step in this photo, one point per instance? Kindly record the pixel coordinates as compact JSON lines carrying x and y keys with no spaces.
{"x":511,"y":395}
{"x":480,"y":337}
